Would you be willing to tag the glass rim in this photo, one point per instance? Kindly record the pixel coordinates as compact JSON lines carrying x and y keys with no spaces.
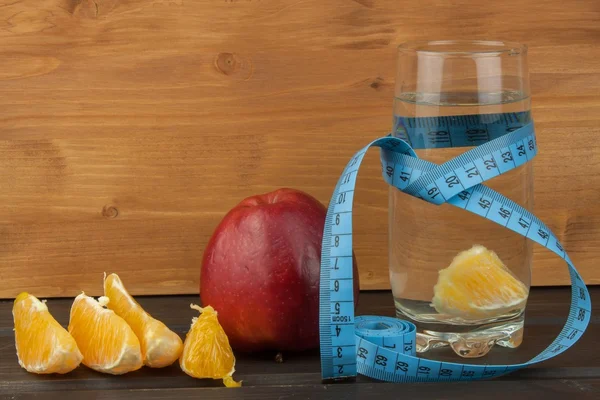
{"x":464,"y":47}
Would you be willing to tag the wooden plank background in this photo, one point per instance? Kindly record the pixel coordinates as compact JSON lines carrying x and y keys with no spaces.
{"x":128,"y":128}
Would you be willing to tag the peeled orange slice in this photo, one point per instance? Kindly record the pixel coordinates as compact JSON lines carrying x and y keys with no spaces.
{"x":107,"y":343}
{"x":160,"y":346}
{"x":43,"y":345}
{"x":206,"y":350}
{"x":478,"y":285}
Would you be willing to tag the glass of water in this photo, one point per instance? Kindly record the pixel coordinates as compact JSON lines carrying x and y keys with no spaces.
{"x":461,"y":279}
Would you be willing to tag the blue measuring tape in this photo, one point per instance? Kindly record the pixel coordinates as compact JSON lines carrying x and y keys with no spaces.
{"x":369,"y":344}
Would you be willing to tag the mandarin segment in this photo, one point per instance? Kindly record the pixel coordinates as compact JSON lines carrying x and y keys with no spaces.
{"x":478,"y":285}
{"x":107,"y":342}
{"x":43,"y":345}
{"x":206,"y":349}
{"x":160,"y":346}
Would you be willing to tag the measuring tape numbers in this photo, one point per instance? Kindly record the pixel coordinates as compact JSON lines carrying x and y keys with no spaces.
{"x":382,"y":347}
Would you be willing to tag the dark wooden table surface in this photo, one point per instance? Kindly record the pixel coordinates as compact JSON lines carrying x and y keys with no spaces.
{"x":573,"y":373}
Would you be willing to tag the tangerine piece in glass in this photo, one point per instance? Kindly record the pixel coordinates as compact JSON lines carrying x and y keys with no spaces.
{"x":477,"y":285}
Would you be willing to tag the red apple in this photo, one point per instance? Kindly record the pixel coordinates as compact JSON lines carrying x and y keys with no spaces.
{"x":260,"y":271}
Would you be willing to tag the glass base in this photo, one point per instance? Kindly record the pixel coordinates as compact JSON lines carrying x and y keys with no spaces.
{"x":467,"y":341}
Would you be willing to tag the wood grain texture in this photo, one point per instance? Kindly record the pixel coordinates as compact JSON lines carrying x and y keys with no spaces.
{"x":128,"y":128}
{"x":575,"y":372}
{"x":583,"y":389}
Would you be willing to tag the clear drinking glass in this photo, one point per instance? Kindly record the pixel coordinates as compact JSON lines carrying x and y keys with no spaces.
{"x":454,"y":78}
